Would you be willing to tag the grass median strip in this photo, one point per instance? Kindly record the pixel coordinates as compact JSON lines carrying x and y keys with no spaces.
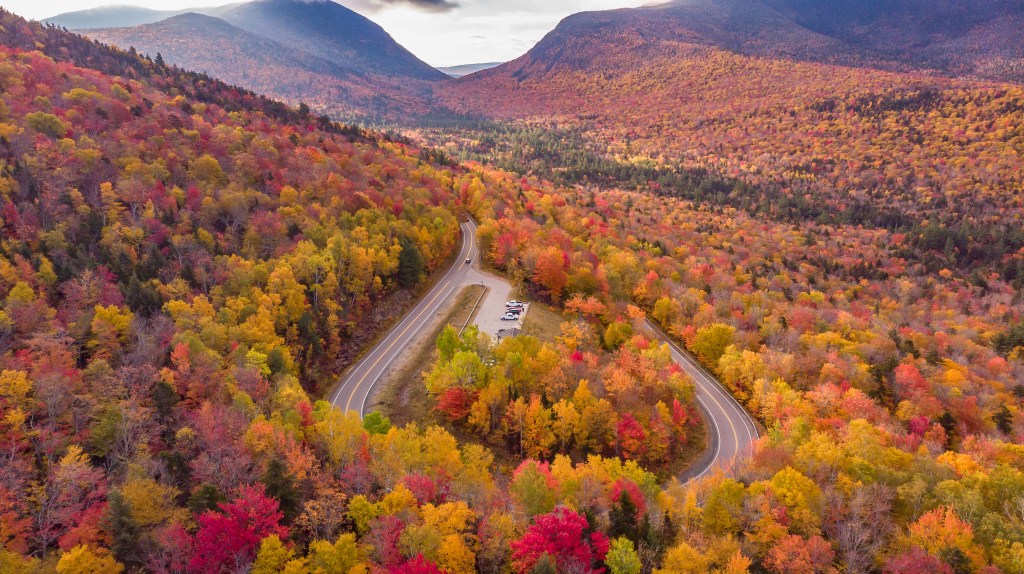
{"x":402,"y":397}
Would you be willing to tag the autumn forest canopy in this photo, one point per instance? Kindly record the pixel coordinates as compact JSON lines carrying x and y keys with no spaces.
{"x":829,"y":225}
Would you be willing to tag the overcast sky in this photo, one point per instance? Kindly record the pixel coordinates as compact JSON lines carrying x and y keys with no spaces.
{"x":440,"y":32}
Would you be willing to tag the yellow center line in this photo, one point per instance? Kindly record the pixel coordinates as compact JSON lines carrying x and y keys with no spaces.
{"x":713,"y":397}
{"x":426,"y":306}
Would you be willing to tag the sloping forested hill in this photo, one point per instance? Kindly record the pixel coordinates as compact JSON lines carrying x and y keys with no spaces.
{"x":165,"y":257}
{"x":183,"y":264}
{"x":937,"y":158}
{"x":318,"y":52}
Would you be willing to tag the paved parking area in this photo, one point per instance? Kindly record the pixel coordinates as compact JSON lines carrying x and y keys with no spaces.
{"x":492,"y":308}
{"x":508,"y":328}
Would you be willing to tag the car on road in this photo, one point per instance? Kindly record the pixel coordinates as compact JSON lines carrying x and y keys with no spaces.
{"x":469,"y":260}
{"x":509,"y":317}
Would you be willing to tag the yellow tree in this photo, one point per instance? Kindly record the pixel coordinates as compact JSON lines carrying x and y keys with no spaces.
{"x":84,"y":560}
{"x":538,"y":436}
{"x":110,"y":326}
{"x":711,"y":341}
{"x":343,"y":556}
{"x":566,"y":423}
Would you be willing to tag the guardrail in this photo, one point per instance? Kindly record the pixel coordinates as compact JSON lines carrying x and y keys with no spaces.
{"x":473,"y":310}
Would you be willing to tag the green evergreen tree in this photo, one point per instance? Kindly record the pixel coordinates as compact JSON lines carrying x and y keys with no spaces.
{"x":410,"y":263}
{"x":124,"y":532}
{"x":206,"y":497}
{"x":164,"y":398}
{"x":622,"y":517}
{"x":281,"y":485}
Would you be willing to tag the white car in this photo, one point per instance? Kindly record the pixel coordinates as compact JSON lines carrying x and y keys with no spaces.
{"x":514,"y":304}
{"x":509,"y":317}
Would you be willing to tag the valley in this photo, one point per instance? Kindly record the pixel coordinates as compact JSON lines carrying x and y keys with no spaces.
{"x":257,"y":264}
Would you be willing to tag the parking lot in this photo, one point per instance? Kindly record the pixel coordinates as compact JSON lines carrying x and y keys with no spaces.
{"x":491,"y":317}
{"x":492,"y":308}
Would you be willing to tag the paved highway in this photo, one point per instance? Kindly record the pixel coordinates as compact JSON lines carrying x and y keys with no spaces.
{"x":356,"y":386}
{"x":731,"y":431}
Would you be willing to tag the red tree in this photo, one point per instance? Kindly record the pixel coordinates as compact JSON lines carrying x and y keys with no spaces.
{"x":455,"y":402}
{"x":916,"y":561}
{"x":384,"y":535}
{"x":631,"y":437}
{"x":417,"y":565}
{"x":550,"y":271}
{"x":630,"y":489}
{"x":13,"y":528}
{"x":564,"y":536}
{"x":427,"y":490}
{"x":230,"y":538}
{"x":797,"y":555}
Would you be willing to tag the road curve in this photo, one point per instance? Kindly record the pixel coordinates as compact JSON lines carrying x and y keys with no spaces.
{"x":356,"y":386}
{"x":731,"y":430}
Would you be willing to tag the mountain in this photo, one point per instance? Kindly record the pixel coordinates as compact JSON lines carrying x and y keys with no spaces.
{"x":316,"y":52}
{"x":736,"y":88}
{"x":981,"y":37}
{"x":213,"y":46}
{"x":745,"y":26}
{"x":330,"y":31}
{"x":110,"y":17}
{"x":952,"y":36}
{"x":467,"y":69}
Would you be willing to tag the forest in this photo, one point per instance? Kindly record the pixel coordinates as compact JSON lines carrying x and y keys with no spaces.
{"x":186,"y":267}
{"x":934,"y":158}
{"x":891,"y":395}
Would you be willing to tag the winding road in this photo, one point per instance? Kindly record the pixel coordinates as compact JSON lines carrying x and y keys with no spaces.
{"x":356,"y":386}
{"x":731,"y":430}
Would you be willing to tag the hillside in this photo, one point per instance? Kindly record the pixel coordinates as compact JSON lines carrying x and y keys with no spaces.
{"x":320,"y":53}
{"x":185,"y":38}
{"x":330,"y":31}
{"x":901,"y":150}
{"x":744,"y":26}
{"x":213,"y":46}
{"x":980,"y":37}
{"x":954,"y":36}
{"x":185,"y":266}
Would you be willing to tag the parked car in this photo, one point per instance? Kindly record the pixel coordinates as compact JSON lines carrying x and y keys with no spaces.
{"x":509,"y":317}
{"x":514,"y":304}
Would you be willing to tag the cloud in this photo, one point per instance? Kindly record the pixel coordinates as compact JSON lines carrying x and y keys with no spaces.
{"x":427,"y":5}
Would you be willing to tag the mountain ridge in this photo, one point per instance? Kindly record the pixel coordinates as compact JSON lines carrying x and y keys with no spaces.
{"x":320,"y":53}
{"x":986,"y":45}
{"x":112,"y":16}
{"x":331,"y":31}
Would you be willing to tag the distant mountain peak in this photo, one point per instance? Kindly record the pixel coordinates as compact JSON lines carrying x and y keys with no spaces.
{"x":959,"y":37}
{"x":315,"y":51}
{"x":111,"y":16}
